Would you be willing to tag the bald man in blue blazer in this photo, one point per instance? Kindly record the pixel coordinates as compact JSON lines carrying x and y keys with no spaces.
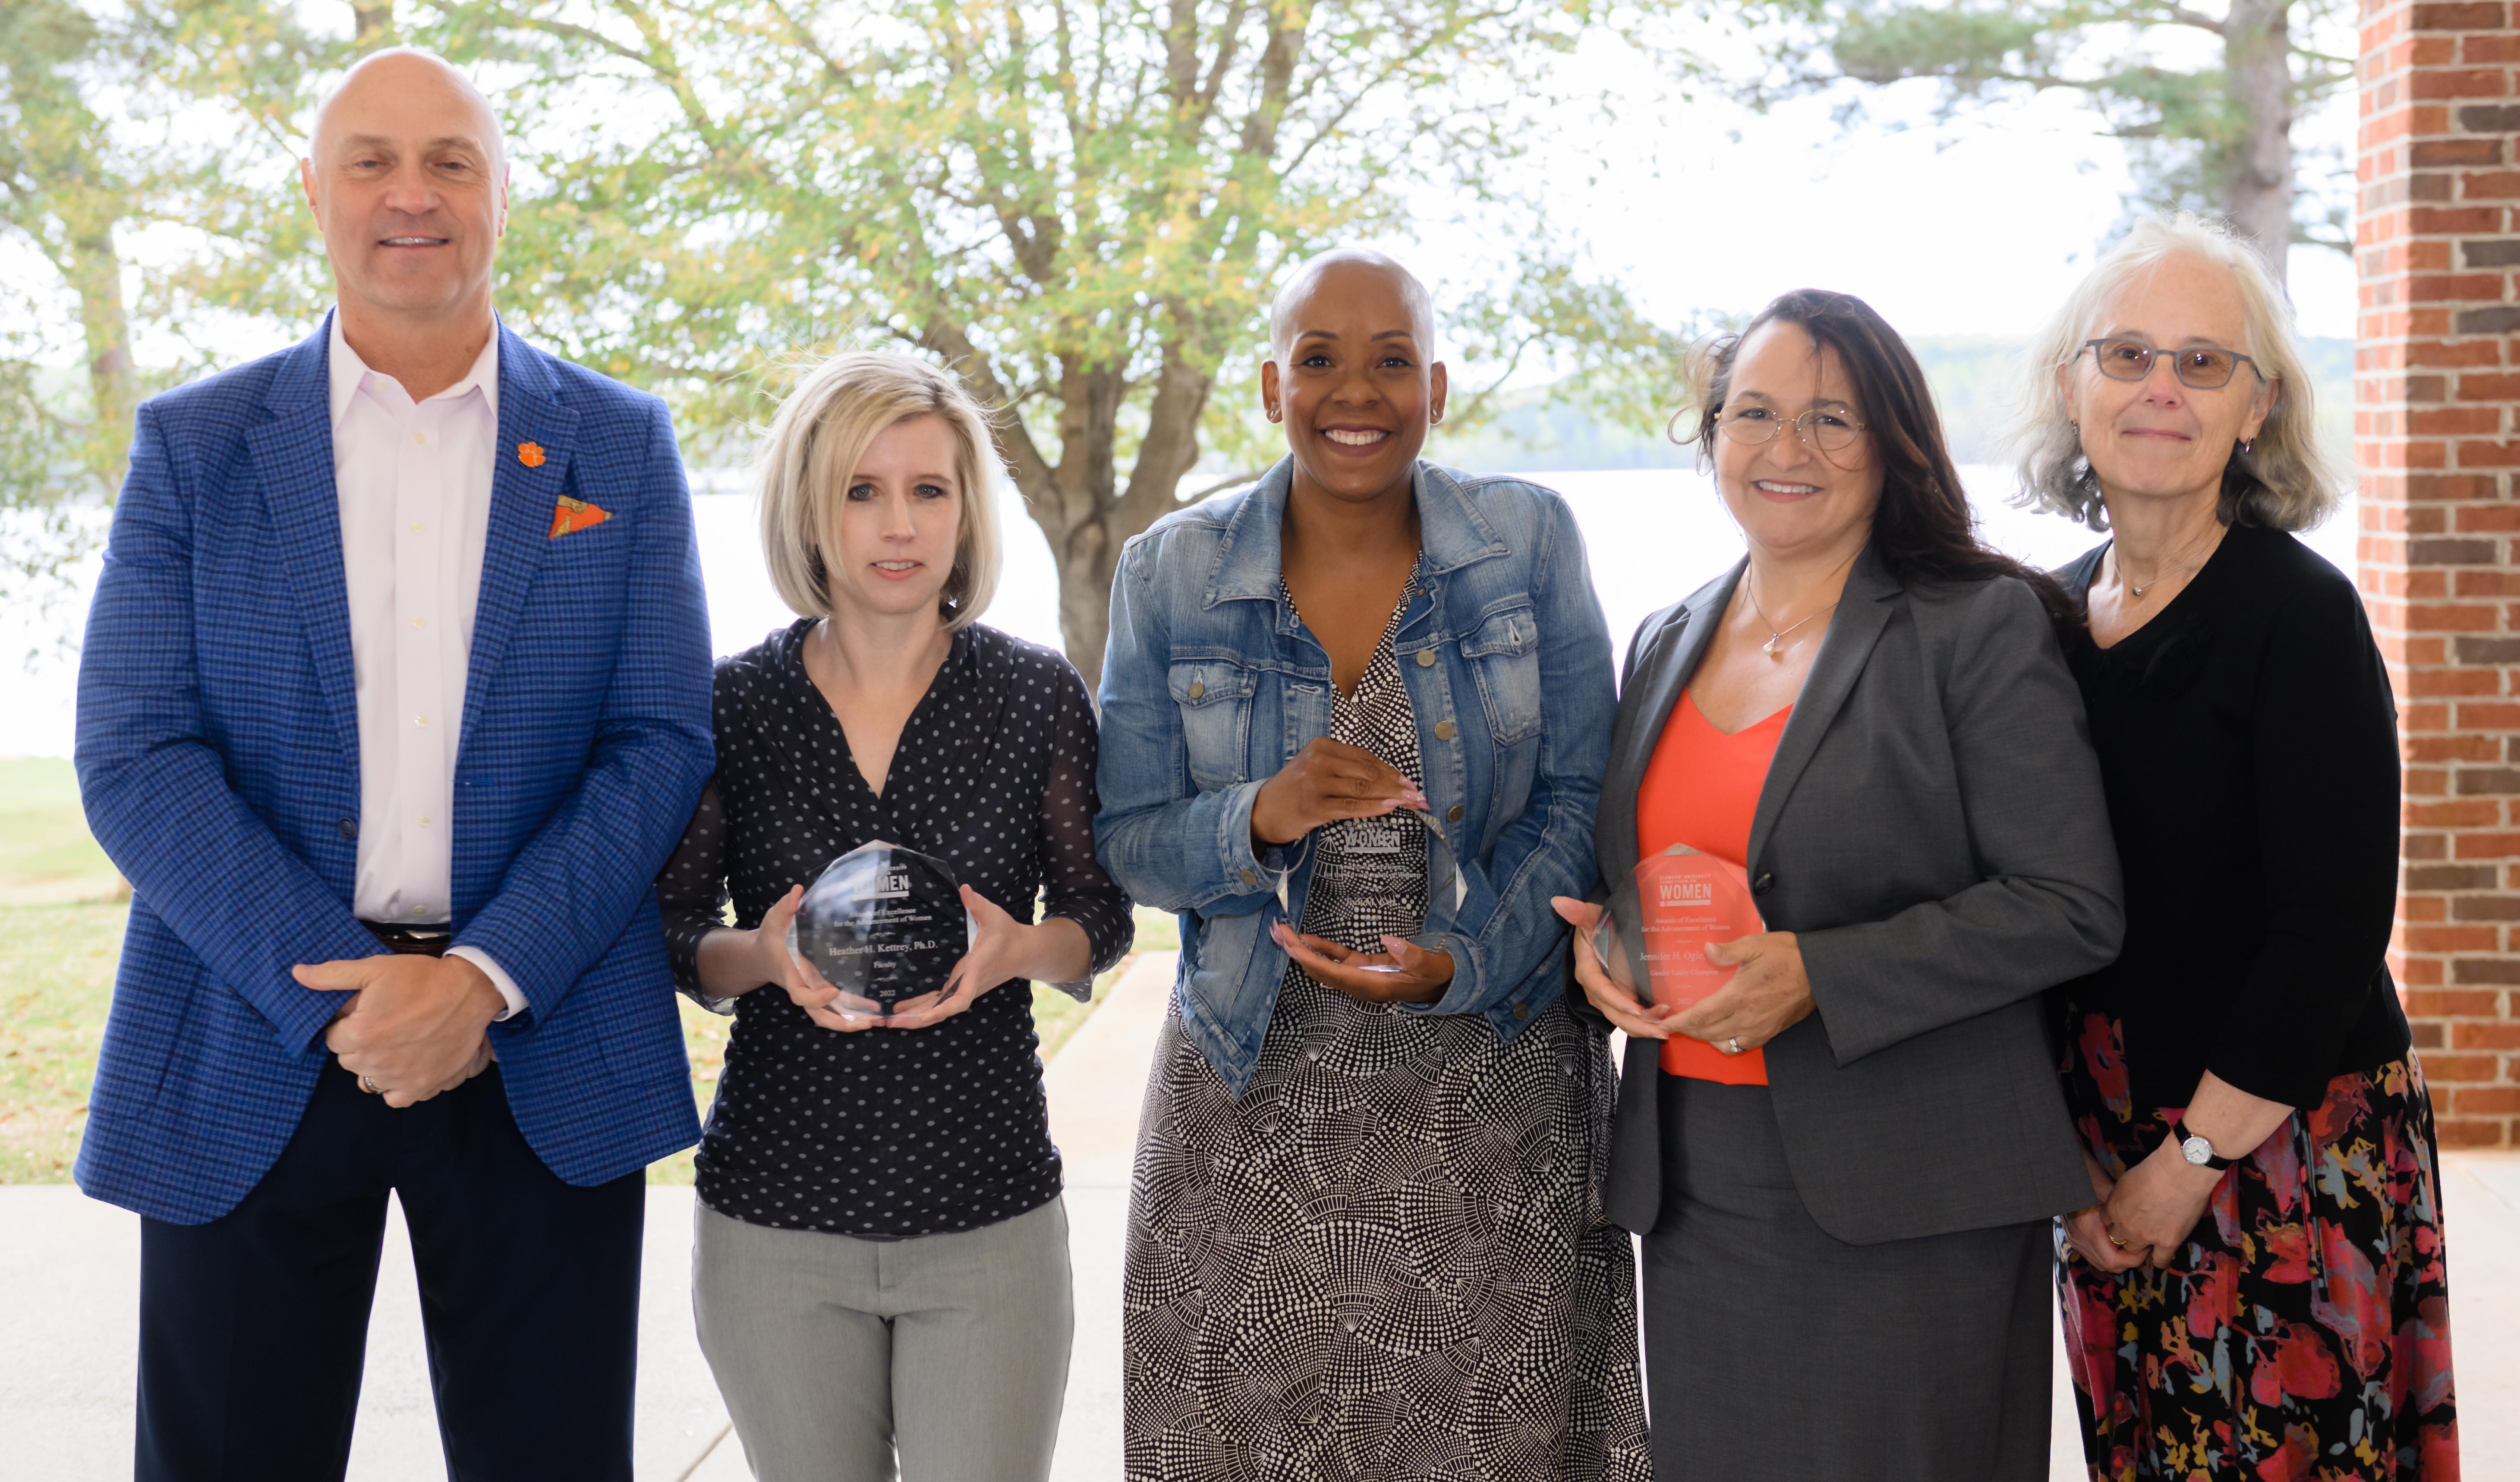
{"x":396,"y":696}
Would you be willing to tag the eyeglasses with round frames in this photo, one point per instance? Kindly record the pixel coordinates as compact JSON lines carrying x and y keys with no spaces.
{"x":2198,"y":367}
{"x":1828,"y":432}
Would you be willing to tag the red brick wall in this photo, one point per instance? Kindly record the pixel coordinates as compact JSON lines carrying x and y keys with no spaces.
{"x":2437,"y":438}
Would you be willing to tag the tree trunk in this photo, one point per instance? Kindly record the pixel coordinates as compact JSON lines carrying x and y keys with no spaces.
{"x":1085,"y":567}
{"x":371,"y":25}
{"x":2257,"y":195}
{"x":94,"y":272}
{"x":1083,"y":510}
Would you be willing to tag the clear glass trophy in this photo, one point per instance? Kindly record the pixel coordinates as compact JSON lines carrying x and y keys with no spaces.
{"x":1389,"y":836}
{"x":881,"y":923}
{"x":1652,"y":937}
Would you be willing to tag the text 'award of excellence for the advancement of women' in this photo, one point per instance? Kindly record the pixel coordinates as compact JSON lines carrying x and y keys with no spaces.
{"x":881,"y":923}
{"x":1652,"y":938}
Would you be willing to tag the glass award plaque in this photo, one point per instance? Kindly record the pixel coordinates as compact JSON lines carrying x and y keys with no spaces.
{"x":1426,"y":848}
{"x":881,"y":923}
{"x":1652,"y":937}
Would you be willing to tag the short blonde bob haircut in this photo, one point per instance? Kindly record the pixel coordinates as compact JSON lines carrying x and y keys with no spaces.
{"x":2287,"y":479}
{"x":824,"y":428}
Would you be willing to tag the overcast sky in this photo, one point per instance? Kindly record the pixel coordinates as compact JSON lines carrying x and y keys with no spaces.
{"x":1979,"y":226}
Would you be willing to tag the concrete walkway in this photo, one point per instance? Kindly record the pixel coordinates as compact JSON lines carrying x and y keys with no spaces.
{"x":70,"y":1317}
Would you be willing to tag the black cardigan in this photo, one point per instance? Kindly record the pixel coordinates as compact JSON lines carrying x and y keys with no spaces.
{"x":2248,"y":741}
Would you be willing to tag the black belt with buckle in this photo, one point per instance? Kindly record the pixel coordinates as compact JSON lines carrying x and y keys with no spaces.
{"x":421,"y":941}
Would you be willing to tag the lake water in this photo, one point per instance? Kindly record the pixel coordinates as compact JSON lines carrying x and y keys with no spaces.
{"x":1654,"y":535}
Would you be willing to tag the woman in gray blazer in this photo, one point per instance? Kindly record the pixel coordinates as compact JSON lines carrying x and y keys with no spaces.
{"x":1844,"y":1161}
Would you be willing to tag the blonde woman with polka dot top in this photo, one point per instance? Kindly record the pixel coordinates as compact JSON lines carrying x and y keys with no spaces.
{"x":882,"y":1265}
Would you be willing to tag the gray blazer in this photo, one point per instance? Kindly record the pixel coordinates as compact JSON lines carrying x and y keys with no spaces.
{"x":1933,"y":832}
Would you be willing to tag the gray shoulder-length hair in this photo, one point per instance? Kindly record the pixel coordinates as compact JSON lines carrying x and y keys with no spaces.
{"x":2287,"y":479}
{"x":821,"y":431}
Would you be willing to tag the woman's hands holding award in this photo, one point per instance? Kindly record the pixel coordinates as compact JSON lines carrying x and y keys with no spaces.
{"x":777,"y":962}
{"x":1001,"y":950}
{"x":1616,"y":997}
{"x":887,"y":939}
{"x":1681,"y":950}
{"x":882,"y":926}
{"x":1325,"y":781}
{"x":1401,"y":972}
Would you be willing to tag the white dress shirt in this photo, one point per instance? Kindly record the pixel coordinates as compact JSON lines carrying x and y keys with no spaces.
{"x":414,"y":484}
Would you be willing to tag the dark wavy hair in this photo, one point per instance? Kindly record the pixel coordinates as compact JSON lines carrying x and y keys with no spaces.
{"x":1923,"y":527}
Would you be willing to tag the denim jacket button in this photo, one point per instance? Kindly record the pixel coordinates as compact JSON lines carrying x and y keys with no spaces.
{"x":1198,"y":688}
{"x":1250,"y":877}
{"x":1443,"y":730}
{"x":1453,"y":814}
{"x":1522,"y":1011}
{"x":1425,"y":659}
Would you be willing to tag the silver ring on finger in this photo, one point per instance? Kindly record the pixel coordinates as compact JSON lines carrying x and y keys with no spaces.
{"x":1732,"y":1046}
{"x":370,"y":1087}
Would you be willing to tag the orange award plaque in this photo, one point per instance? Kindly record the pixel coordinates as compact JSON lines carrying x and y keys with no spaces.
{"x":1652,"y":939}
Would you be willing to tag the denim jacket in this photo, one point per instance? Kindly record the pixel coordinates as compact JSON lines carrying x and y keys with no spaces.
{"x":1211,"y":684}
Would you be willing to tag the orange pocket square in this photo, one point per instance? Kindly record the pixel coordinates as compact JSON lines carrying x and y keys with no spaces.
{"x":575,"y":515}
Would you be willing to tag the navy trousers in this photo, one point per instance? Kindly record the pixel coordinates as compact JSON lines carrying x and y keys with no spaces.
{"x":253,"y":1327}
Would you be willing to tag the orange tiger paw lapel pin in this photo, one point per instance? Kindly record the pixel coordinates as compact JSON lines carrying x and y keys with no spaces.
{"x":530,"y":454}
{"x":575,"y":515}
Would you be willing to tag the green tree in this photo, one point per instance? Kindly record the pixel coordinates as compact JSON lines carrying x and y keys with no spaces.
{"x":112,"y":123}
{"x":1080,"y":205}
{"x":2215,"y":135}
{"x":61,"y":195}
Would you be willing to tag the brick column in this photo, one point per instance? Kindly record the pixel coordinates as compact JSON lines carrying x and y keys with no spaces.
{"x":2437,"y":442}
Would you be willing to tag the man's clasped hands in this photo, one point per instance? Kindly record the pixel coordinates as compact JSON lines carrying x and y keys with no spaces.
{"x":410,"y":1026}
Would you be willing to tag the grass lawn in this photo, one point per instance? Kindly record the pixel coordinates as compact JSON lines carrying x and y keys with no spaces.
{"x":60,"y":932}
{"x":55,"y":970}
{"x":46,"y":857}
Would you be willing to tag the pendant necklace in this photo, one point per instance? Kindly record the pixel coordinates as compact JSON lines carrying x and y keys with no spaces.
{"x":1775,"y":646}
{"x":2158,"y":577}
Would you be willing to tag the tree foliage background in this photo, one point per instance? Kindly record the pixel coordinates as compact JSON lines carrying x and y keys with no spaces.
{"x":2205,"y":100}
{"x":1081,"y":205}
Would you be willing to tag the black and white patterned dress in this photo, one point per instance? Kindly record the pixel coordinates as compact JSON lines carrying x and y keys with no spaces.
{"x":1386,"y":1261}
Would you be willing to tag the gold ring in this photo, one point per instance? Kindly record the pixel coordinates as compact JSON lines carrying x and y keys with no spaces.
{"x":2114,"y":1240}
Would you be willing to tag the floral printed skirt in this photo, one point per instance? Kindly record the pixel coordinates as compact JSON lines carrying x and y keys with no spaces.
{"x":2303,"y":1332}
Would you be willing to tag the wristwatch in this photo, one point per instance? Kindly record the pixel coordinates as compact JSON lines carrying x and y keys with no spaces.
{"x":2199,"y":1153}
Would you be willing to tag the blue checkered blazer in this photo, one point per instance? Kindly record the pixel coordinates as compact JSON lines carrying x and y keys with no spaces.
{"x":218,"y":758}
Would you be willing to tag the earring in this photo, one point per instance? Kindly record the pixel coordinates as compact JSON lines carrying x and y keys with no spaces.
{"x":1435,"y":421}
{"x":2247,"y":444}
{"x":2077,"y":427}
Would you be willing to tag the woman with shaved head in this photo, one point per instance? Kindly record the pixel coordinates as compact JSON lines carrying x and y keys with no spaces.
{"x":1354,"y":718}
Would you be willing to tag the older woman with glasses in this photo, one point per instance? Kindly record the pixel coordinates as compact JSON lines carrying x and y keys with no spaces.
{"x":2259,"y":1290}
{"x":1844,"y":1161}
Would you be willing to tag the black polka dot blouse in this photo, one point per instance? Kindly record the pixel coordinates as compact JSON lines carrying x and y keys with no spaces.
{"x":890,"y":1134}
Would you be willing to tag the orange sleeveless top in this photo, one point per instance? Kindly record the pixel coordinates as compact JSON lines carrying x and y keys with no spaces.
{"x":1701,"y":788}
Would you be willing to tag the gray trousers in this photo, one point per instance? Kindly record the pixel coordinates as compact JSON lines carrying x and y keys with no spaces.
{"x":835,"y":1353}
